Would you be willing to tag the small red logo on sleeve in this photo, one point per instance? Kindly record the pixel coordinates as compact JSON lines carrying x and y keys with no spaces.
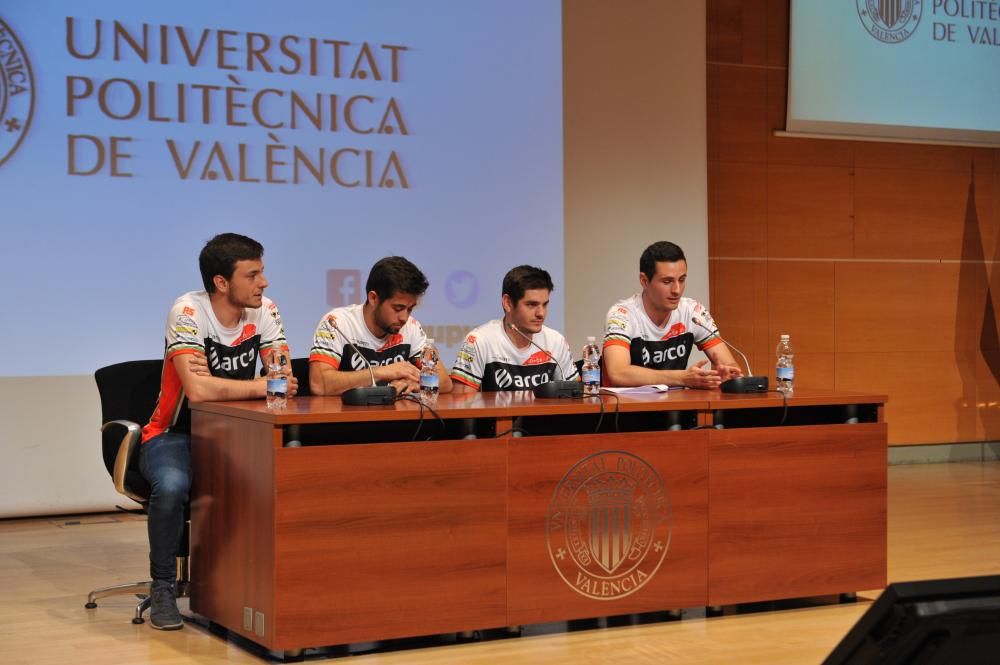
{"x":188,"y":311}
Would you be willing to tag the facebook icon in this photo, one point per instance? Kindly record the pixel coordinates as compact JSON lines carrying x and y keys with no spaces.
{"x":343,"y":287}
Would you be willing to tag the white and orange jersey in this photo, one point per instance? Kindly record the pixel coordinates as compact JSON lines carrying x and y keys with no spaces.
{"x":330,"y":347}
{"x":660,"y":347}
{"x":489,"y":361}
{"x":232,"y":353}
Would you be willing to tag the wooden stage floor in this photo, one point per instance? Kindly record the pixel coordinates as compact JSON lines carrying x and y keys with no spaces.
{"x":943,"y":522}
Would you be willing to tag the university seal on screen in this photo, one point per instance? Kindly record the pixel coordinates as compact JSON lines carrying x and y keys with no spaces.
{"x":890,"y":21}
{"x":17,"y":92}
{"x":608,"y":525}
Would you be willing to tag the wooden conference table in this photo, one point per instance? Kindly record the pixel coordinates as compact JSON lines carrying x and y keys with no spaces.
{"x":682,"y":499}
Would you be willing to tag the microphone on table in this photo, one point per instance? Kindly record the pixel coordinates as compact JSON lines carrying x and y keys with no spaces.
{"x":365,"y":395}
{"x":739,"y":384}
{"x":560,"y":388}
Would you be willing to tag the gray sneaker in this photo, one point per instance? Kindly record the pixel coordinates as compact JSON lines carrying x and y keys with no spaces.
{"x":163,"y":612}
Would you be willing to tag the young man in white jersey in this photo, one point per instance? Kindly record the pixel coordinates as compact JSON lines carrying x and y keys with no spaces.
{"x":379,"y":334}
{"x":213,"y":342}
{"x":517,"y":352}
{"x":649,"y":336}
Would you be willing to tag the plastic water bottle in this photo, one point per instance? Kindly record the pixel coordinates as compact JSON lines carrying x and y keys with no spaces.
{"x":277,"y":382}
{"x":591,"y":367}
{"x":784,"y":370}
{"x":429,"y":382}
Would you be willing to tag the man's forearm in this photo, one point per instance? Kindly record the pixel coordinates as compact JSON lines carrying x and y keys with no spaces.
{"x":325,"y":380}
{"x":218,"y":389}
{"x":634,"y":375}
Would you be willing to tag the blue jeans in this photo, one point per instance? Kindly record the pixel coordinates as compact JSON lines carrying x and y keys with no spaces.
{"x":165,"y":463}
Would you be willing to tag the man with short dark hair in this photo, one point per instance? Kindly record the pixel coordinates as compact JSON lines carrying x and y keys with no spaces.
{"x":213,"y":341}
{"x":649,"y":336}
{"x":517,"y":352}
{"x":380,"y":331}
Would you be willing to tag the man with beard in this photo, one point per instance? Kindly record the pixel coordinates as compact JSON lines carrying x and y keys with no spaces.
{"x":517,"y":352}
{"x":381,"y":330}
{"x":213,"y":342}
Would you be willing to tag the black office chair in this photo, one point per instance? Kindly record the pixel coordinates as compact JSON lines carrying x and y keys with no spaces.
{"x":300,"y":369}
{"x":129,"y":391}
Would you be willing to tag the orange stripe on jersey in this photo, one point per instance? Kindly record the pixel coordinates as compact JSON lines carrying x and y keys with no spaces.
{"x":455,"y":377}
{"x":616,"y":342}
{"x":710,"y":343}
{"x":316,"y":358}
{"x":181,"y":352}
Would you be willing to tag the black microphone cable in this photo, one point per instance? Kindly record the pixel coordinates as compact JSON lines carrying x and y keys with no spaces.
{"x":410,"y":397}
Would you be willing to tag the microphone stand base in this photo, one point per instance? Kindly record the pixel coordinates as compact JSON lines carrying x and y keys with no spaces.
{"x":568,"y":389}
{"x":745,"y":384}
{"x":369,"y":396}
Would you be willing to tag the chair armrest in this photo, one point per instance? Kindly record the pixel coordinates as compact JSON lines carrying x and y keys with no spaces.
{"x":126,"y":449}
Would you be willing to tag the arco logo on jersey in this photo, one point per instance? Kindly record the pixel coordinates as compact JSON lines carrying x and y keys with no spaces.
{"x":502,"y":376}
{"x":232,"y":362}
{"x":356,"y":362}
{"x":662,"y":354}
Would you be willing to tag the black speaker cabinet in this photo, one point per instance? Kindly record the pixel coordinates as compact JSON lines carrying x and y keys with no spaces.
{"x":937,"y":622}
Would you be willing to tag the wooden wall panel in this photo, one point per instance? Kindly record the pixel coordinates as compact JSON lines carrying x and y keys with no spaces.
{"x":800,"y":303}
{"x":902,"y":207}
{"x":738,"y":210}
{"x":912,"y":307}
{"x":872,"y":154}
{"x":990,"y":233}
{"x":738,"y":31}
{"x":762,"y":364}
{"x":739,"y":307}
{"x":777,"y":33}
{"x":809,"y":211}
{"x":891,"y":204}
{"x":712,"y":133}
{"x":927,"y":402}
{"x":812,"y":370}
{"x":742,"y":113}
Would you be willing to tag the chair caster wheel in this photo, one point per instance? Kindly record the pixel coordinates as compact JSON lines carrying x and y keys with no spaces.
{"x":138,"y":620}
{"x":90,"y":606}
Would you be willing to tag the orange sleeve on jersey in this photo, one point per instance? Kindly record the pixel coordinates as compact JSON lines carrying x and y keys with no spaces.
{"x":317,"y":358}
{"x":616,"y":342}
{"x":171,"y":393}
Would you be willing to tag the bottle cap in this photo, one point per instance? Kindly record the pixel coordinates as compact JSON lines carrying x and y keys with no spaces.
{"x":785,"y":338}
{"x":591,"y":338}
{"x":430,"y":340}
